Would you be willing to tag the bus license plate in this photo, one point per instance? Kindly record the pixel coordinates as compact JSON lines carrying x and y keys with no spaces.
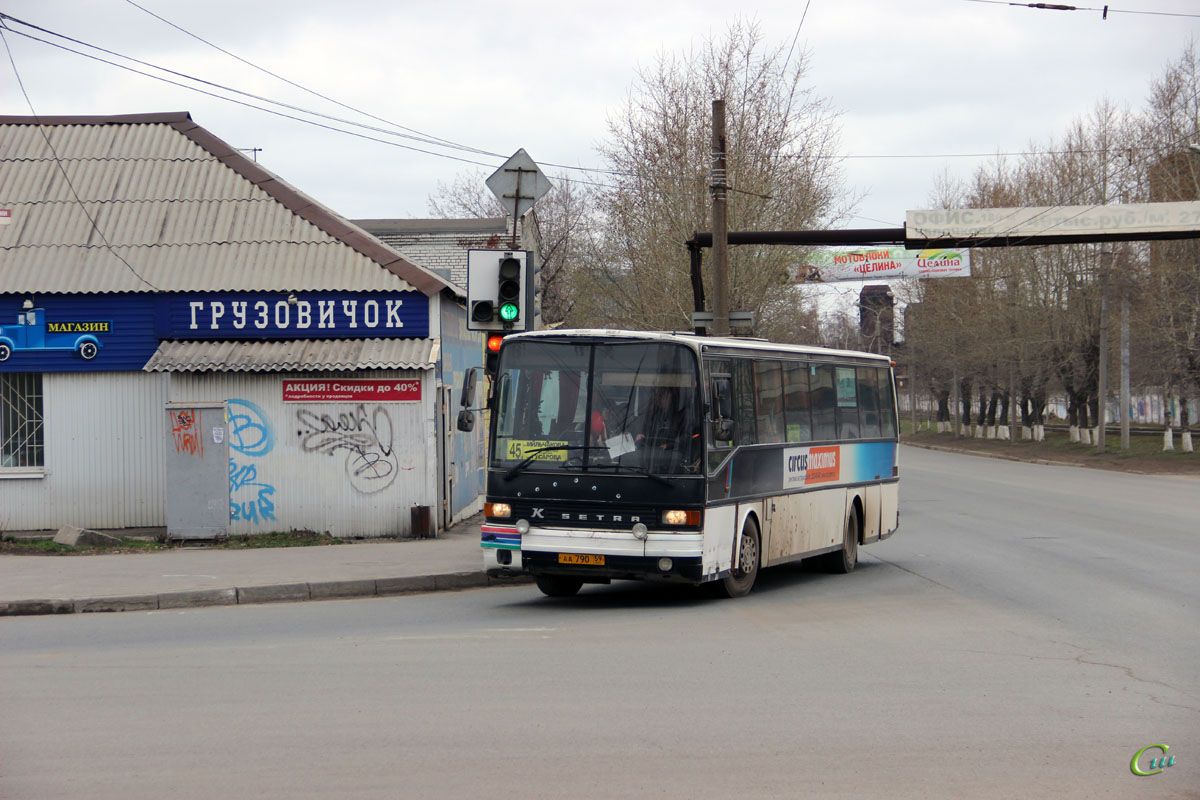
{"x":581,"y":558}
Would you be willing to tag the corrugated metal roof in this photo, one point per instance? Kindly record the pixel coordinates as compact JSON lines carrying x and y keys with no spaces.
{"x":179,"y":208}
{"x":237,"y":267}
{"x":300,"y":355}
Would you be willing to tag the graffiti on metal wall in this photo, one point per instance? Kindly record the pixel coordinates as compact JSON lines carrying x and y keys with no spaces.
{"x":250,"y":437}
{"x":185,"y":429}
{"x":365,"y":436}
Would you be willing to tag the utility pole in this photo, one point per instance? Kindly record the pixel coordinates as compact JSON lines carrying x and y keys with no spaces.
{"x":1102,"y":389}
{"x":1125,"y":367}
{"x":1107,"y":264}
{"x":720,"y":229}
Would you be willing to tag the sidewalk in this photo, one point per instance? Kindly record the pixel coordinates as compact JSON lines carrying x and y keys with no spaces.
{"x":190,"y":577}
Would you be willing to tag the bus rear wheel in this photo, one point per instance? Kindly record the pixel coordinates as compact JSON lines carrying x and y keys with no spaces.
{"x":558,"y":586}
{"x":740,"y":580}
{"x":845,"y":560}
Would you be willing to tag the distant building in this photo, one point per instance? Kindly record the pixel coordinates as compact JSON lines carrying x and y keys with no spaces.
{"x":876,"y":318}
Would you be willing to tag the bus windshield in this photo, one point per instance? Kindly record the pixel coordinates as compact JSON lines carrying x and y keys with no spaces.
{"x":605,"y":407}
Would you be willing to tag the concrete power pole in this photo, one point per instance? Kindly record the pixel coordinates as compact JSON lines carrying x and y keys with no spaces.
{"x":720,"y":224}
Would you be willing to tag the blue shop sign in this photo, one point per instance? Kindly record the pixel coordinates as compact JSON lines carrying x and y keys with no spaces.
{"x":315,"y":315}
{"x":76,"y":333}
{"x":96,"y":333}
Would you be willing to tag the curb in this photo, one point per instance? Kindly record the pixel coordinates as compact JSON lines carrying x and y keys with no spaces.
{"x":247,"y":595}
{"x":1043,"y":461}
{"x":1005,"y":457}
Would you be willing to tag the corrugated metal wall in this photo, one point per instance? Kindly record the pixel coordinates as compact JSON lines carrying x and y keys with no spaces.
{"x":461,"y":350}
{"x":105,"y":444}
{"x":349,"y":468}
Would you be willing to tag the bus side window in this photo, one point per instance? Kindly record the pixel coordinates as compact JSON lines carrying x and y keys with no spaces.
{"x":769,"y":400}
{"x":720,"y":410}
{"x":795,"y":402}
{"x":847,"y":403}
{"x":824,"y":404}
{"x":868,"y":402}
{"x":743,"y":402}
{"x":887,"y":404}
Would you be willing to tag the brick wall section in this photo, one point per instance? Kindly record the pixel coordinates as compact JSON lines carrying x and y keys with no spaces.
{"x":441,"y":245}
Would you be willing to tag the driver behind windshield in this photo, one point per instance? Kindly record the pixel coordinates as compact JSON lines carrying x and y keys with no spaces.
{"x":668,"y":426}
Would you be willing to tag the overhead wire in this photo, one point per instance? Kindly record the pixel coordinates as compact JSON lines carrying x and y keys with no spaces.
{"x":292,"y":83}
{"x":1106,"y":10}
{"x":412,"y":134}
{"x":430,"y":141}
{"x":1120,"y":173}
{"x":419,"y":138}
{"x":58,"y":161}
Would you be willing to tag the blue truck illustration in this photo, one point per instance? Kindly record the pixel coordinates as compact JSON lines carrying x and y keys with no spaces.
{"x":32,"y":332}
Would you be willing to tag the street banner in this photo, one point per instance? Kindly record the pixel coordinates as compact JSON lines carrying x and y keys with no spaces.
{"x":882,"y":263}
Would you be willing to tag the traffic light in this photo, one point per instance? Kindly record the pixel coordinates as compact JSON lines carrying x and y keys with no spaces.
{"x":491,"y":356}
{"x":508,"y":292}
{"x":496,"y":296}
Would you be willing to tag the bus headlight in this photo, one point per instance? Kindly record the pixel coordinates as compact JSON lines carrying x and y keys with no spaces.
{"x":680,"y":517}
{"x":497,"y":510}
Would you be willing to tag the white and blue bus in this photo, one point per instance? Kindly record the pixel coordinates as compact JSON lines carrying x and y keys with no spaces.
{"x":673,"y":457}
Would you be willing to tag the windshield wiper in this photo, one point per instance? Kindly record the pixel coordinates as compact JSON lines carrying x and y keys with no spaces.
{"x":525,"y":462}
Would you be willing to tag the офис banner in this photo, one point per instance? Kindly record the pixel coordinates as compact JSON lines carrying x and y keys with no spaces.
{"x":882,"y":263}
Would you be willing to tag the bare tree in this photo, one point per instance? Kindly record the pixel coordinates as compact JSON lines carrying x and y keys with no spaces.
{"x":1174,"y":273}
{"x":781,"y":164}
{"x":466,"y":196}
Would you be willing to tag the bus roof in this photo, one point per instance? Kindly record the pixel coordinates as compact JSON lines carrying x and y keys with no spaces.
{"x":697,"y":342}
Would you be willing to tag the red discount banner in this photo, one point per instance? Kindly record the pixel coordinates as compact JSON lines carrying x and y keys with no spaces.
{"x":351,"y":391}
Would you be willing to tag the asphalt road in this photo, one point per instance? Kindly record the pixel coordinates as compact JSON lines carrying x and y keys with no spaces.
{"x":1028,"y":630}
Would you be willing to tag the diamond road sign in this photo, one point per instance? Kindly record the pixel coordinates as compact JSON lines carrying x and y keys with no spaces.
{"x":518,"y":184}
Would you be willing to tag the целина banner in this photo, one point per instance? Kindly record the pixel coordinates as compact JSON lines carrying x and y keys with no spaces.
{"x":882,"y":263}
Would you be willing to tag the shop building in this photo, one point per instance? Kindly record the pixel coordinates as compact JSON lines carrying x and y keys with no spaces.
{"x":188,"y":342}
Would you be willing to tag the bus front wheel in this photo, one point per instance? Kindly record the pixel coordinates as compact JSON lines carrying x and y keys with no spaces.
{"x":558,"y":586}
{"x":740,"y":580}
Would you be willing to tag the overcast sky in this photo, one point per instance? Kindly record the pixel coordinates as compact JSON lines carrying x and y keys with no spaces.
{"x":909,"y":77}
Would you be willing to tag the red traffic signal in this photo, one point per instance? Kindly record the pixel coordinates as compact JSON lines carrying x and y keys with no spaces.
{"x":491,"y":356}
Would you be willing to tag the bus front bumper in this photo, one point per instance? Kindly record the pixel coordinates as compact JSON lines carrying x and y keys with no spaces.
{"x":598,"y":556}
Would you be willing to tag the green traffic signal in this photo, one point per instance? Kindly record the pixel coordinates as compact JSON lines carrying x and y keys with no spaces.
{"x":509,"y":289}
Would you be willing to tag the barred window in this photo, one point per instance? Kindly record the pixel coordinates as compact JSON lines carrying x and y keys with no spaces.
{"x":22,"y":430}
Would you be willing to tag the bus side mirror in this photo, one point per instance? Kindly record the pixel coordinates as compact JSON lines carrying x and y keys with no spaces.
{"x":468,"y":389}
{"x":466,"y":417}
{"x":722,"y":394}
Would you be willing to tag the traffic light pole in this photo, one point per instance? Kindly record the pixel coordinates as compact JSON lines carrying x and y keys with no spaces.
{"x":516,"y":219}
